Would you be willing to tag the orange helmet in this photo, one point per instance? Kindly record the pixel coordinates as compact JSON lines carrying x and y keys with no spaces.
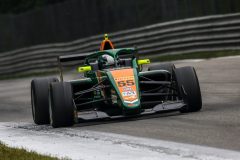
{"x":106,"y":43}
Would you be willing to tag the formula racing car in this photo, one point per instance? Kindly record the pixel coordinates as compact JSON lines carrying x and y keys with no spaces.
{"x":114,"y":84}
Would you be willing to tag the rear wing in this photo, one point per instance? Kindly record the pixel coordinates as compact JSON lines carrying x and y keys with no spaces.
{"x":125,"y":53}
{"x":74,"y":57}
{"x":70,"y":58}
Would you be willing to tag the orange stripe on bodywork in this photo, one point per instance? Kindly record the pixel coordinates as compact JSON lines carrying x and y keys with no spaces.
{"x":126,"y":84}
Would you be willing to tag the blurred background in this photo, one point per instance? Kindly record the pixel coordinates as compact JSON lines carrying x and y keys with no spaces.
{"x":34,"y":32}
{"x":30,"y":22}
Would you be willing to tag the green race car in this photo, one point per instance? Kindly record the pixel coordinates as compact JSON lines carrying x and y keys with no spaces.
{"x":114,"y":85}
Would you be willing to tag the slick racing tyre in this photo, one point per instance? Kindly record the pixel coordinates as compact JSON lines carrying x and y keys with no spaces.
{"x":188,"y":89}
{"x":61,"y":105}
{"x":168,"y":77}
{"x":39,"y":99}
{"x":165,"y":66}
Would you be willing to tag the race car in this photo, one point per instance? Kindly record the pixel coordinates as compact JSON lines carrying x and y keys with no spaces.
{"x":114,"y":84}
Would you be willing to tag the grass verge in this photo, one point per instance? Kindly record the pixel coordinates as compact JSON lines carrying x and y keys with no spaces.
{"x":7,"y":153}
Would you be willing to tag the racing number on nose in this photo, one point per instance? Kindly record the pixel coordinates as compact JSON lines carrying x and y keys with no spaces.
{"x":125,"y":83}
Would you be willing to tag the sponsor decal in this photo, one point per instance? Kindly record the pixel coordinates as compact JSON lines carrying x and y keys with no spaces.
{"x":125,"y":82}
{"x":129,"y":93}
{"x":124,"y":78}
{"x":125,"y":88}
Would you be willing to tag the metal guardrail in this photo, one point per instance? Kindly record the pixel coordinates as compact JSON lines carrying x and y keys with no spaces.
{"x":218,"y":32}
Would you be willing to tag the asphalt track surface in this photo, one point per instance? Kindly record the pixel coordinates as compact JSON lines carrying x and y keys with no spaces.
{"x":217,"y":125}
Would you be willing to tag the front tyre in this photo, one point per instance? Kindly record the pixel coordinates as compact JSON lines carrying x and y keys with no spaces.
{"x":39,"y":99}
{"x":188,"y":89}
{"x":61,"y":105}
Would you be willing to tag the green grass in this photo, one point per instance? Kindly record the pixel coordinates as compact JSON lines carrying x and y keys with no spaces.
{"x":7,"y":153}
{"x":196,"y":55}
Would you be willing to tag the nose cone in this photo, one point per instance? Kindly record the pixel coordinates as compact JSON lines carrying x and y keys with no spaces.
{"x":125,"y":82}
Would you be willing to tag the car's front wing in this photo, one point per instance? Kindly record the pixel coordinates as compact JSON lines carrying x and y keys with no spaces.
{"x":163,"y":107}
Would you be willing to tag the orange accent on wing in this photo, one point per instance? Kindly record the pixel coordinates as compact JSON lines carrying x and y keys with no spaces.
{"x":126,"y":84}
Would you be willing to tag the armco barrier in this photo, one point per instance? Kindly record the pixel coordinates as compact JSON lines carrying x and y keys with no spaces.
{"x":218,"y":32}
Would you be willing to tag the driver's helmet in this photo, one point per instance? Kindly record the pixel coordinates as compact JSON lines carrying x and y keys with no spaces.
{"x":109,"y":60}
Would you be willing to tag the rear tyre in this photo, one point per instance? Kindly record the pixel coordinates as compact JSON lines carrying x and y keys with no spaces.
{"x":61,"y":105}
{"x":39,"y":99}
{"x":168,"y":77}
{"x":188,"y":89}
{"x":165,"y":66}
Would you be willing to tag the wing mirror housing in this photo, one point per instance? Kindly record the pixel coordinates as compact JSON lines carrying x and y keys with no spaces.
{"x":143,"y":61}
{"x":84,"y":69}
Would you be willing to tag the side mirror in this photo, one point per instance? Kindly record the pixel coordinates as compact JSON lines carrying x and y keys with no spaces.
{"x":84,"y":69}
{"x":143,"y":61}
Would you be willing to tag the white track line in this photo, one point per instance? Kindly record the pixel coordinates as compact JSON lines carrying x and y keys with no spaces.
{"x":80,"y":144}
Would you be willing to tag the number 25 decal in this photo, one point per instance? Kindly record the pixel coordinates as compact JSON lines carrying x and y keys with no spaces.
{"x":124,"y":83}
